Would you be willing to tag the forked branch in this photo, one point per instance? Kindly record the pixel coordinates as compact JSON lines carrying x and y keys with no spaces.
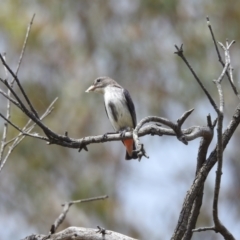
{"x":51,"y":137}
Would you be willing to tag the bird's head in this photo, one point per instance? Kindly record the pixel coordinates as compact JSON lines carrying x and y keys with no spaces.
{"x":100,"y":84}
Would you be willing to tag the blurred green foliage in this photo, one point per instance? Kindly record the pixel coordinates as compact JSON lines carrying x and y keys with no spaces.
{"x":70,"y":44}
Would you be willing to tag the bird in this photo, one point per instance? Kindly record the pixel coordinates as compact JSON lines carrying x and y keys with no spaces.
{"x":119,"y":108}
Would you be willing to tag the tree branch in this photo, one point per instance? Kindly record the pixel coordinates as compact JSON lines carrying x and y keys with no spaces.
{"x":179,"y":52}
{"x":19,"y":85}
{"x":9,"y":100}
{"x":193,"y":199}
{"x":218,"y":225}
{"x":175,"y":127}
{"x":229,"y":72}
{"x":201,"y":177}
{"x":25,"y":131}
{"x":201,"y":159}
{"x":65,"y":141}
{"x":78,"y":233}
{"x":66,"y":208}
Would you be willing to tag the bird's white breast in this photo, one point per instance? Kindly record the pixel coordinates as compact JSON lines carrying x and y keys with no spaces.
{"x":116,"y":96}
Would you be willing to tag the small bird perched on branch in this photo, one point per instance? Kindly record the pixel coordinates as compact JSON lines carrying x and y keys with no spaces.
{"x":119,"y":108}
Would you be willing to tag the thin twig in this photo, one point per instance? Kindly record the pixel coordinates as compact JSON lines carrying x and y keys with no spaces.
{"x":19,"y":85}
{"x":86,"y":200}
{"x":26,"y":130}
{"x":8,"y":116}
{"x":230,"y":69}
{"x":50,"y":134}
{"x":66,"y":208}
{"x":180,"y":54}
{"x":5,"y":128}
{"x":12,"y":124}
{"x":10,"y":98}
{"x":228,"y":73}
{"x":203,"y":229}
{"x":218,"y":225}
{"x":5,"y":69}
{"x":24,"y":47}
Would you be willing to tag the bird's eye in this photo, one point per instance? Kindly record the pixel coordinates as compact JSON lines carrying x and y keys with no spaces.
{"x":98,"y":80}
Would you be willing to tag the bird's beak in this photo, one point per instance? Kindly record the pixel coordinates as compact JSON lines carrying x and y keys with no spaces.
{"x":91,"y":88}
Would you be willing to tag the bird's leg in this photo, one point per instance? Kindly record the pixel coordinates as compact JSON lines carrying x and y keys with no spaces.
{"x":123,"y":132}
{"x":105,"y":134}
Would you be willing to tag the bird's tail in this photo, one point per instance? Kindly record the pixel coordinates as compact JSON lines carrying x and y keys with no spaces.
{"x":130,"y":146}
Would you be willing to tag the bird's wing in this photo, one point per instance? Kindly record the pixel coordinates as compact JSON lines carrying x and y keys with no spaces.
{"x":130,"y":106}
{"x":106,"y":109}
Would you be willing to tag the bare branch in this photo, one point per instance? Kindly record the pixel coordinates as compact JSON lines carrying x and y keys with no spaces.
{"x":229,"y":60}
{"x":5,"y":128}
{"x":193,"y":199}
{"x":218,"y":225}
{"x":181,"y":55}
{"x":24,"y":46}
{"x":201,"y":177}
{"x":19,"y":85}
{"x":201,"y":159}
{"x":24,"y":132}
{"x":203,"y":229}
{"x":5,"y":69}
{"x":66,"y":141}
{"x":8,"y":96}
{"x":183,"y":118}
{"x":86,"y":200}
{"x":12,"y":124}
{"x":66,"y":208}
{"x":175,"y":127}
{"x":78,"y":233}
{"x":228,"y":73}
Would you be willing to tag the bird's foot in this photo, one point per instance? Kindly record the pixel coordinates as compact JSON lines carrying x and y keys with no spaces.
{"x":140,"y":152}
{"x":105,"y":134}
{"x":124,"y":131}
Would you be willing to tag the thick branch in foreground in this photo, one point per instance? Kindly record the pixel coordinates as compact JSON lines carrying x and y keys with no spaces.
{"x":78,"y":233}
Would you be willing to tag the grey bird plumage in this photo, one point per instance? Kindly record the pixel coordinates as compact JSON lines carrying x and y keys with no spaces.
{"x":118,"y":105}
